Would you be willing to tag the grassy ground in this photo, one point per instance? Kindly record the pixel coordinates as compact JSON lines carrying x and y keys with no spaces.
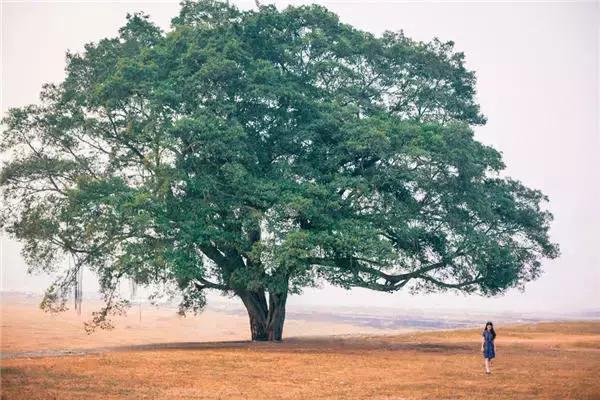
{"x":24,"y":327}
{"x":537,"y":361}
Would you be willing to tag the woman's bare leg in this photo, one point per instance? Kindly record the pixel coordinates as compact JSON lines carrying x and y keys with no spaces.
{"x":487,"y":365}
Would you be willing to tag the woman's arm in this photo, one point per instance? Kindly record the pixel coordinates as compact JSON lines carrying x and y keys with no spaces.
{"x":482,"y":341}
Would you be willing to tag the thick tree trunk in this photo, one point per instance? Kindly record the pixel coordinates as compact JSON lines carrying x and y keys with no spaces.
{"x":266,"y":320}
{"x":276,"y":316}
{"x":258,"y":329}
{"x":256,"y":305}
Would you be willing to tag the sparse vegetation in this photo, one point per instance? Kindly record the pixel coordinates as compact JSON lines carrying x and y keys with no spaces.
{"x":557,"y":364}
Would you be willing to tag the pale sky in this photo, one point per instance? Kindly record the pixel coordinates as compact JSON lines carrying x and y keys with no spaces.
{"x":537,"y":67}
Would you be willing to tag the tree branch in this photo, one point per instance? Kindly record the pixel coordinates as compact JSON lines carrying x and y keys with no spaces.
{"x":451,"y":285}
{"x":204,"y":284}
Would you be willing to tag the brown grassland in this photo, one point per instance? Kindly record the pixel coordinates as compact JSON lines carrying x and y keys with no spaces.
{"x":559,"y":360}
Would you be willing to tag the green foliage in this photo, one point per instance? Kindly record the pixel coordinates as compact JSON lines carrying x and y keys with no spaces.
{"x":266,"y":150}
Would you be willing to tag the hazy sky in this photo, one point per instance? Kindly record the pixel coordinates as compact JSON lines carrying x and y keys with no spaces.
{"x":537,"y":68}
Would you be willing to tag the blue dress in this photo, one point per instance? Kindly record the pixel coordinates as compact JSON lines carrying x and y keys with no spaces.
{"x":488,"y":346}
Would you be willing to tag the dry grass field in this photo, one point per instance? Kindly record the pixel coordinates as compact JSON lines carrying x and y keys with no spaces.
{"x":24,"y":327}
{"x":534,"y":361}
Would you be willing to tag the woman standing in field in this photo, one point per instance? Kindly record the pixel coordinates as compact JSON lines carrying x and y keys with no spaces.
{"x":487,"y":345}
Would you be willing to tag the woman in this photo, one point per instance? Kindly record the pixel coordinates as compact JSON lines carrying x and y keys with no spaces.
{"x":487,"y":345}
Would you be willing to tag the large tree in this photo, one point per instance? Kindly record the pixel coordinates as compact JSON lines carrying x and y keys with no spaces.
{"x":259,"y":152}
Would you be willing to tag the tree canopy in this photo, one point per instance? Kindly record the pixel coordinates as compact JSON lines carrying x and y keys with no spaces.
{"x":260,"y":152}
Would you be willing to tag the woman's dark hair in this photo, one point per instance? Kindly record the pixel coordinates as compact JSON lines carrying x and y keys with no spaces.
{"x":493,"y":331}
